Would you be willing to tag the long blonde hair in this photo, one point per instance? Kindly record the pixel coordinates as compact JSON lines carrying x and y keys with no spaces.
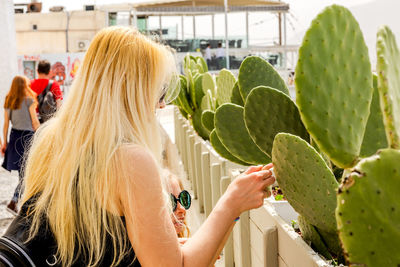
{"x":73,"y":166}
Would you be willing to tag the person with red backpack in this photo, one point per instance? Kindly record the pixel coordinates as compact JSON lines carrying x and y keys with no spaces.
{"x":48,"y":92}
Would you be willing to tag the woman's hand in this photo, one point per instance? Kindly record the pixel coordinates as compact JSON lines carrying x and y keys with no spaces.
{"x":3,"y":148}
{"x":250,"y":188}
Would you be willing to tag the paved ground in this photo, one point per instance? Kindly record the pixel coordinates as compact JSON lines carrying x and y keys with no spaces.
{"x":8,"y":182}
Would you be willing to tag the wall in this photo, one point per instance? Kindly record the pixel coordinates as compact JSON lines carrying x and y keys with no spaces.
{"x":56,"y":32}
{"x":64,"y":67}
{"x":8,"y":55}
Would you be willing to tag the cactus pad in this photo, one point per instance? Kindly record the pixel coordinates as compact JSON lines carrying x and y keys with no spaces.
{"x":388,"y":68}
{"x":200,"y":61}
{"x":236,"y":97}
{"x":368,"y":212}
{"x":263,"y":112}
{"x":226,"y":81}
{"x":231,"y":130}
{"x":255,"y":71}
{"x":311,"y":236}
{"x":375,"y":136}
{"x":198,"y":126}
{"x":306,"y":181}
{"x":198,"y":88}
{"x":182,"y":99}
{"x":334,"y":84}
{"x":222,"y":151}
{"x":208,"y":83}
{"x":207,"y":119}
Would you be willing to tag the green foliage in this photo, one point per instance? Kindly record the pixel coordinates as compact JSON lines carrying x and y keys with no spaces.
{"x":182,"y":100}
{"x":226,"y":81}
{"x":208,"y":83}
{"x":388,"y":68}
{"x":207,"y":119}
{"x":311,"y":236}
{"x":198,"y":126}
{"x":255,"y":71}
{"x":231,"y":130}
{"x":222,"y":151}
{"x":306,"y":181}
{"x":236,"y":97}
{"x":264,"y":123}
{"x":368,"y":216}
{"x":334,"y":84}
{"x":198,"y":89}
{"x":374,"y":136}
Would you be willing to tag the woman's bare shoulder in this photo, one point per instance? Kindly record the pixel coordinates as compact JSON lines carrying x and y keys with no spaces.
{"x":132,"y":153}
{"x":137,"y":161}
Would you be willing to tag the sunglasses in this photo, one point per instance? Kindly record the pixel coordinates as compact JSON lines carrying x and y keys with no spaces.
{"x":184,"y":198}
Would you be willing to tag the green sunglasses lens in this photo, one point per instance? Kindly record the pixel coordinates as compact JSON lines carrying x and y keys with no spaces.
{"x":185,"y":199}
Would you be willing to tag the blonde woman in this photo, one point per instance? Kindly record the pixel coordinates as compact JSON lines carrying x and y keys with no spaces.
{"x":93,"y":176}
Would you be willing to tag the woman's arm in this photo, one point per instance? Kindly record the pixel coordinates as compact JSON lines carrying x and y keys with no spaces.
{"x":34,"y":118}
{"x":149,"y":225}
{"x":246,"y":192}
{"x":5,"y":132}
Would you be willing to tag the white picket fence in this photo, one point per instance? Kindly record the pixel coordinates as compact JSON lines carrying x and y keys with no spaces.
{"x":261,"y":237}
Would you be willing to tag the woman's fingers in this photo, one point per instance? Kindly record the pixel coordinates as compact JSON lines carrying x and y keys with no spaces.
{"x":262,"y":175}
{"x":268,"y":181}
{"x":252,"y":169}
{"x":268,"y":166}
{"x":257,"y":168}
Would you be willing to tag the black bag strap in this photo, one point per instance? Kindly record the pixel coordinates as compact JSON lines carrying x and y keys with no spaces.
{"x":44,"y":92}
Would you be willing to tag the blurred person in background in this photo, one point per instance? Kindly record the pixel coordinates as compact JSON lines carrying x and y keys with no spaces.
{"x":220,"y":55}
{"x":207,"y":55}
{"x":43,"y":82}
{"x":20,"y":109}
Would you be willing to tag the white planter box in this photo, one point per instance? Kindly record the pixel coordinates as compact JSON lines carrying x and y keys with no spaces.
{"x":284,"y":210}
{"x":263,"y":238}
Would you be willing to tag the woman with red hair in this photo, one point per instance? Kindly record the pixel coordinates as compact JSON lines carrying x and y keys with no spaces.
{"x":20,"y":110}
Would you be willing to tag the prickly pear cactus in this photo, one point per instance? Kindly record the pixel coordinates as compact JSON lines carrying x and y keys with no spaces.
{"x":334,"y":84}
{"x":255,"y":71}
{"x":182,"y":100}
{"x":207,"y":119}
{"x":208,"y":101}
{"x":226,"y":81}
{"x":388,"y":68}
{"x":374,"y":136}
{"x":198,"y":88}
{"x":368,"y":212}
{"x":263,"y":112}
{"x":311,"y":236}
{"x":231,"y":130}
{"x":200,"y":61}
{"x":222,"y":151}
{"x":236,"y":97}
{"x":305,"y":180}
{"x":208,"y":83}
{"x":198,"y":126}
